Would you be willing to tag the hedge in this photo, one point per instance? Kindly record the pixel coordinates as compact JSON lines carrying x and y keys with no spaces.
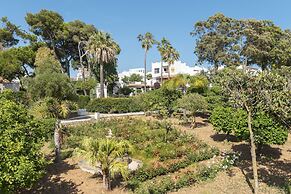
{"x":113,"y":105}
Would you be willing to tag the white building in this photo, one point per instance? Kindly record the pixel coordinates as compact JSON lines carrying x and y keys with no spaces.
{"x":135,"y":85}
{"x":177,"y":68}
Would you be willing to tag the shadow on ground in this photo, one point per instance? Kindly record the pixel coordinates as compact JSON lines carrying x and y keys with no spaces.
{"x":51,"y":183}
{"x":272,"y":170}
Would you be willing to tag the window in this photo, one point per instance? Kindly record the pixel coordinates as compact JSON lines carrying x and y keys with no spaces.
{"x":156,"y":70}
{"x":166,"y":70}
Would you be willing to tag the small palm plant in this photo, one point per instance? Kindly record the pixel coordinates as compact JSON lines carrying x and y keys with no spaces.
{"x":107,"y":154}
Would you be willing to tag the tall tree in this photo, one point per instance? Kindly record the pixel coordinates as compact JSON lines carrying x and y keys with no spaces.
{"x":49,"y":81}
{"x":162,"y":47}
{"x":267,"y":91}
{"x":147,"y":41}
{"x":60,"y":36}
{"x":171,"y":55}
{"x":224,"y":41}
{"x":102,"y":51}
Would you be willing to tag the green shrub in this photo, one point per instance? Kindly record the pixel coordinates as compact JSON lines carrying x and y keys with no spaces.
{"x":230,"y":121}
{"x":162,"y":100}
{"x":83,"y":101}
{"x":234,"y":121}
{"x":268,"y":131}
{"x":113,"y":105}
{"x":21,"y":161}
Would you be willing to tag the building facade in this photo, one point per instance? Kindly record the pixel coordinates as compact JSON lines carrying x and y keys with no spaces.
{"x":165,"y":72}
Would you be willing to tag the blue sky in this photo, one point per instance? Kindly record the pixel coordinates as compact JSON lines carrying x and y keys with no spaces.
{"x":173,"y":19}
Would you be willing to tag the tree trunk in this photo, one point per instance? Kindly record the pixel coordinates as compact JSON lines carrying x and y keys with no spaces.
{"x":68,"y":67}
{"x":193,"y":121}
{"x":169,"y":71}
{"x":57,"y":141}
{"x":101,"y":81}
{"x":161,"y":71}
{"x":253,"y":153}
{"x":106,"y":181}
{"x":25,"y":70}
{"x":145,"y":70}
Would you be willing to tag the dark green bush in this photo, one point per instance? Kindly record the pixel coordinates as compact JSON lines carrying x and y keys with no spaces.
{"x":234,"y":121}
{"x":113,"y":105}
{"x":268,"y":131}
{"x":83,"y":101}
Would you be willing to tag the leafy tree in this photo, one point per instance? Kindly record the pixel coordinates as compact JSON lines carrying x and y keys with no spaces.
{"x":106,"y":152}
{"x":162,"y":100}
{"x":192,"y":103}
{"x":61,"y":37}
{"x":147,"y":41}
{"x":21,"y":162}
{"x":132,"y":78}
{"x":198,"y":84}
{"x":86,"y":85}
{"x":49,"y":80}
{"x":10,"y":34}
{"x":103,"y":51}
{"x":10,"y":67}
{"x":216,"y":41}
{"x":234,"y":121}
{"x":125,"y":91}
{"x":267,"y":92}
{"x":230,"y":42}
{"x":178,"y":82}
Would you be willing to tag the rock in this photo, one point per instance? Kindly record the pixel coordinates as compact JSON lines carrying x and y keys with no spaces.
{"x":134,"y":165}
{"x":85,"y":166}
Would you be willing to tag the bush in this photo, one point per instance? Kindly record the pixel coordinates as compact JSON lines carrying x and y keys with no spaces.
{"x":113,"y":105}
{"x":234,"y":121}
{"x":21,"y":161}
{"x":83,"y":101}
{"x":162,"y":100}
{"x":229,"y":120}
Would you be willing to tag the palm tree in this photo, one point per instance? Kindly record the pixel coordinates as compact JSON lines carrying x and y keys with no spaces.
{"x":107,"y":153}
{"x":162,"y":47}
{"x":103,"y":50}
{"x":147,"y":41}
{"x":171,"y":55}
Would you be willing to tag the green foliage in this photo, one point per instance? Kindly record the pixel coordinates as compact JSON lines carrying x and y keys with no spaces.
{"x":230,"y":121}
{"x":185,"y":179}
{"x":49,"y":80}
{"x":125,"y":91}
{"x":227,"y":41}
{"x":268,"y":131}
{"x":21,"y":162}
{"x":162,"y":100}
{"x":10,"y":67}
{"x":18,"y":97}
{"x":193,"y":103}
{"x":50,"y":108}
{"x":106,"y":152}
{"x":198,"y":84}
{"x":83,"y":101}
{"x":234,"y":121}
{"x":132,"y":78}
{"x":87,"y":85}
{"x":113,"y":105}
